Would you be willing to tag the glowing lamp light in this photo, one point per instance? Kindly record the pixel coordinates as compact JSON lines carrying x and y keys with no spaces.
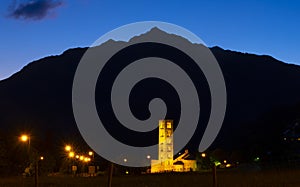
{"x":203,"y":155}
{"x":71,"y":154}
{"x":91,"y":153}
{"x":68,"y":148}
{"x":24,"y":138}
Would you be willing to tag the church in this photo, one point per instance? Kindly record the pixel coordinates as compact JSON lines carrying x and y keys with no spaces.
{"x":165,"y":162}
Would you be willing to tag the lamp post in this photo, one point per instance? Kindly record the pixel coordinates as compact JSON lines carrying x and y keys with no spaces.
{"x":92,"y":155}
{"x":110,"y":175}
{"x":72,"y":158}
{"x":71,"y":155}
{"x":26,"y":138}
{"x":213,"y":167}
{"x":92,"y":168}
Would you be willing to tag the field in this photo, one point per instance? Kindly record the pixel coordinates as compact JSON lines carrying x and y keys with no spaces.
{"x":275,"y":178}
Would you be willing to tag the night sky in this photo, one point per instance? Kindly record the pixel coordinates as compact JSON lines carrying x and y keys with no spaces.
{"x":32,"y":29}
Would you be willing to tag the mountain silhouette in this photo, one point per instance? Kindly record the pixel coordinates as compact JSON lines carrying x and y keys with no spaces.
{"x":263,"y":97}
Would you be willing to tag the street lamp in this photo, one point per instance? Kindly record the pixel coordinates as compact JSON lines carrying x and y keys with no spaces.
{"x":71,"y":154}
{"x":86,"y":159}
{"x":68,"y":148}
{"x":92,"y":155}
{"x":81,"y":157}
{"x":203,"y":155}
{"x":26,"y":138}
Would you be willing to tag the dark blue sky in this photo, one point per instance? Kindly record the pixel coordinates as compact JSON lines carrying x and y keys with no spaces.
{"x":48,"y":27}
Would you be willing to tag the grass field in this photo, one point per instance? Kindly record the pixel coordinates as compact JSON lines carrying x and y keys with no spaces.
{"x":286,"y":178}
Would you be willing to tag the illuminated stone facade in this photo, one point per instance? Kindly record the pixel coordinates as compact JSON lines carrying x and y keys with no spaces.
{"x":165,"y":162}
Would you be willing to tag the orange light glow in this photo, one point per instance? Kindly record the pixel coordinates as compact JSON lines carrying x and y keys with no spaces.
{"x":24,"y":138}
{"x":68,"y":148}
{"x":71,"y":154}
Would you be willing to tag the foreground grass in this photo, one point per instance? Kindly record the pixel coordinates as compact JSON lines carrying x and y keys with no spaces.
{"x":284,"y":178}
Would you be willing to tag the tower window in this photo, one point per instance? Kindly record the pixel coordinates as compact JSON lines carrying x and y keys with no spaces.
{"x":169,"y":125}
{"x":169,"y":141}
{"x":168,"y":133}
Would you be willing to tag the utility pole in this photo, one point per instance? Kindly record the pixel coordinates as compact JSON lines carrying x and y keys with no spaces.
{"x":110,"y":175}
{"x":214,"y":175}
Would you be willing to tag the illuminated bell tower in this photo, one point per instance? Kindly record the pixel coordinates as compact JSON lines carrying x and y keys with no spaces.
{"x":165,"y":147}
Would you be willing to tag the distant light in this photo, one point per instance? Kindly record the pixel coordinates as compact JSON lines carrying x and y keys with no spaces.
{"x":298,"y":139}
{"x":203,"y":155}
{"x":228,"y":165}
{"x":77,"y":156}
{"x":41,"y":158}
{"x":81,"y":157}
{"x":24,"y":138}
{"x":284,"y":139}
{"x":148,"y":156}
{"x":256,"y":159}
{"x":127,"y":172}
{"x":71,"y":154}
{"x":225,"y":161}
{"x":91,"y":153}
{"x":125,"y":159}
{"x":68,"y":148}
